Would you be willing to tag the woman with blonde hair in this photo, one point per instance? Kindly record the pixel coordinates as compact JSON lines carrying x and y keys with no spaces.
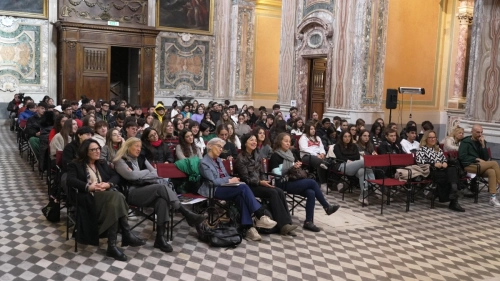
{"x":446,"y":177}
{"x":452,"y":141}
{"x":147,"y":189}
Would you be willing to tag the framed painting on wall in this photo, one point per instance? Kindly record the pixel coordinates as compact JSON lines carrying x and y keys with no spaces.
{"x":24,"y":8}
{"x":190,"y":16}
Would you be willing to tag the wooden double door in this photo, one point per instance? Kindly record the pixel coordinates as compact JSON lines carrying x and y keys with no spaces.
{"x":84,"y":60}
{"x":316,"y":98}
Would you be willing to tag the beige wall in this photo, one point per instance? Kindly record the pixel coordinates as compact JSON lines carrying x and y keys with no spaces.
{"x":419,"y":54}
{"x":267,"y":48}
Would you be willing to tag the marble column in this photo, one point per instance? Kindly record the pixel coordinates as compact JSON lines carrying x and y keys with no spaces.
{"x":464,"y":17}
{"x":287,"y":52}
{"x":222,"y":49}
{"x":360,"y":32}
{"x":242,"y":49}
{"x":52,"y":49}
{"x":483,"y":85}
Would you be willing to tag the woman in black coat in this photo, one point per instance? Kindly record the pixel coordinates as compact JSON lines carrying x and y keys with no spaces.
{"x":154,"y":149}
{"x":101,"y":208}
{"x":248,"y":166}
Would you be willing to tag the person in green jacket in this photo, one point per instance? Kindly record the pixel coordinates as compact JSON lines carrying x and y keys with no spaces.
{"x":473,"y":152}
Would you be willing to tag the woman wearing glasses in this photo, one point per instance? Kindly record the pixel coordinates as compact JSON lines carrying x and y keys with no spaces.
{"x":446,"y":177}
{"x":100,"y":207}
{"x":155,"y":150}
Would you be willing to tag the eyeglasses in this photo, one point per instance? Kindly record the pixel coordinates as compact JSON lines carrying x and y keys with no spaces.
{"x":95,"y":149}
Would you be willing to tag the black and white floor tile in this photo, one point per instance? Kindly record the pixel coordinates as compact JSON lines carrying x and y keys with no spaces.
{"x":356,"y":244}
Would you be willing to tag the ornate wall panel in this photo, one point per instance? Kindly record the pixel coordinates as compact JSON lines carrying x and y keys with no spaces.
{"x":133,"y":12}
{"x":23,"y":55}
{"x":311,"y":6}
{"x":184,"y":65}
{"x":483,"y":87}
{"x":243,"y":44}
{"x":287,"y":52}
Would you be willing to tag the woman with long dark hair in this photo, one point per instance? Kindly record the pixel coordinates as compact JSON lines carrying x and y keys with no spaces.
{"x":207,"y":120}
{"x":248,"y":166}
{"x":281,"y":161}
{"x":364,"y":144}
{"x":376,"y":133}
{"x":194,"y":127}
{"x":263,"y":143}
{"x":155,"y":150}
{"x":58,"y":124}
{"x":62,"y":138}
{"x":101,"y":208}
{"x":229,"y":151}
{"x":186,"y":147}
{"x":353,"y":165}
{"x":70,"y":151}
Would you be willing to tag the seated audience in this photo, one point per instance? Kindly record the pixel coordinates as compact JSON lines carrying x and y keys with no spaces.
{"x":89,"y":121}
{"x":354,"y":133}
{"x":281,"y":161}
{"x":229,"y":151}
{"x":212,"y":171}
{"x":58,"y":124}
{"x":376,"y":134}
{"x":101,"y":129}
{"x":199,"y":115}
{"x":473,"y":152}
{"x":410,"y":145}
{"x":206,"y":135}
{"x":113,"y":142}
{"x":298,"y":127}
{"x":101,"y":207}
{"x":241,"y":128}
{"x":325,"y":124}
{"x":452,"y":142}
{"x":194,"y":127}
{"x":186,"y":147}
{"x":389,"y":145}
{"x":248,"y":166}
{"x":353,"y":165}
{"x":313,"y":152}
{"x":232,"y":137}
{"x":263,"y":143}
{"x":154,"y":149}
{"x":62,"y":138}
{"x":445,"y":177}
{"x":365,"y":146}
{"x":147,"y":189}
{"x":402,"y":135}
{"x":70,"y":151}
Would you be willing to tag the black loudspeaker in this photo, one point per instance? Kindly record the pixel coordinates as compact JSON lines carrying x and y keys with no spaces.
{"x":391,"y":100}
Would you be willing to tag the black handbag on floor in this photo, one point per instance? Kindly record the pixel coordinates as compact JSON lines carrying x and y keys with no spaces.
{"x":219,"y":236}
{"x":52,"y":211}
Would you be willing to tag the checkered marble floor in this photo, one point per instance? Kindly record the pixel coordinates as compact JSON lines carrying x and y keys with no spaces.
{"x":356,"y":244}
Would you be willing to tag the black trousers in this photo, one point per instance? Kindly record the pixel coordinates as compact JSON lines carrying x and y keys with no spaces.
{"x":446,"y":180}
{"x":277,"y":203}
{"x":314,"y":161}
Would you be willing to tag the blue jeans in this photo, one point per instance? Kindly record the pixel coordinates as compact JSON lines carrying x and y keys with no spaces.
{"x":244,"y":198}
{"x":307,"y":188}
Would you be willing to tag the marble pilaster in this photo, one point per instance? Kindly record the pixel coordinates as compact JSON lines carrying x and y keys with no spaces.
{"x":242,"y":49}
{"x":223,"y":47}
{"x":464,"y":17}
{"x":287,"y":52}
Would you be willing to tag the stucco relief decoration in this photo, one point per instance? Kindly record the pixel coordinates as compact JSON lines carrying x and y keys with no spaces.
{"x":23,"y":54}
{"x":184,"y":66}
{"x":311,"y":6}
{"x":133,"y":11}
{"x":244,"y":64}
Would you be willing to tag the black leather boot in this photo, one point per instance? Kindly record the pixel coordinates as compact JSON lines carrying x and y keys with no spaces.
{"x":455,"y":206}
{"x":112,"y":250}
{"x":192,"y":219}
{"x":129,"y":238}
{"x":160,"y":241}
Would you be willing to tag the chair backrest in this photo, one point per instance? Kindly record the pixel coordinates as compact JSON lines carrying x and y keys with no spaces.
{"x":265,"y":165}
{"x":377,"y":160}
{"x":401,"y":159}
{"x":228,"y":164}
{"x":59,"y":155}
{"x":297,"y":138}
{"x":441,"y":145}
{"x":171,"y":142}
{"x":453,"y":154}
{"x":169,"y":171}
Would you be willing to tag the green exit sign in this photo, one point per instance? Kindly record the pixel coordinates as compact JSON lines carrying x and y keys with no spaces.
{"x":113,"y":23}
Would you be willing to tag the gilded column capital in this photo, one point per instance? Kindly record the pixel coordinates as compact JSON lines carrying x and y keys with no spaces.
{"x":465,"y":18}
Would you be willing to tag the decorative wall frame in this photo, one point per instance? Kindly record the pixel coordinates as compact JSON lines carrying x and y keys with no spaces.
{"x":196,"y":16}
{"x":25,"y":8}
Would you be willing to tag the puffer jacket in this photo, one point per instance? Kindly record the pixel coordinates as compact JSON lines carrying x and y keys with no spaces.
{"x":249,"y":168}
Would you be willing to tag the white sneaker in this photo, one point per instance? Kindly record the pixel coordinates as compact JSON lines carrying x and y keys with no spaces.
{"x":361,"y":201}
{"x":324,"y":186}
{"x":323,"y":166}
{"x":494,"y":202}
{"x":132,"y":217}
{"x":265,"y":222}
{"x":253,"y":235}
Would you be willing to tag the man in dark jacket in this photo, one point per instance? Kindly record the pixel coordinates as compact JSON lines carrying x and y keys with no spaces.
{"x":325,"y":124}
{"x":389,"y":145}
{"x":473,"y":154}
{"x":33,"y":124}
{"x":105,"y":113}
{"x":13,"y":108}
